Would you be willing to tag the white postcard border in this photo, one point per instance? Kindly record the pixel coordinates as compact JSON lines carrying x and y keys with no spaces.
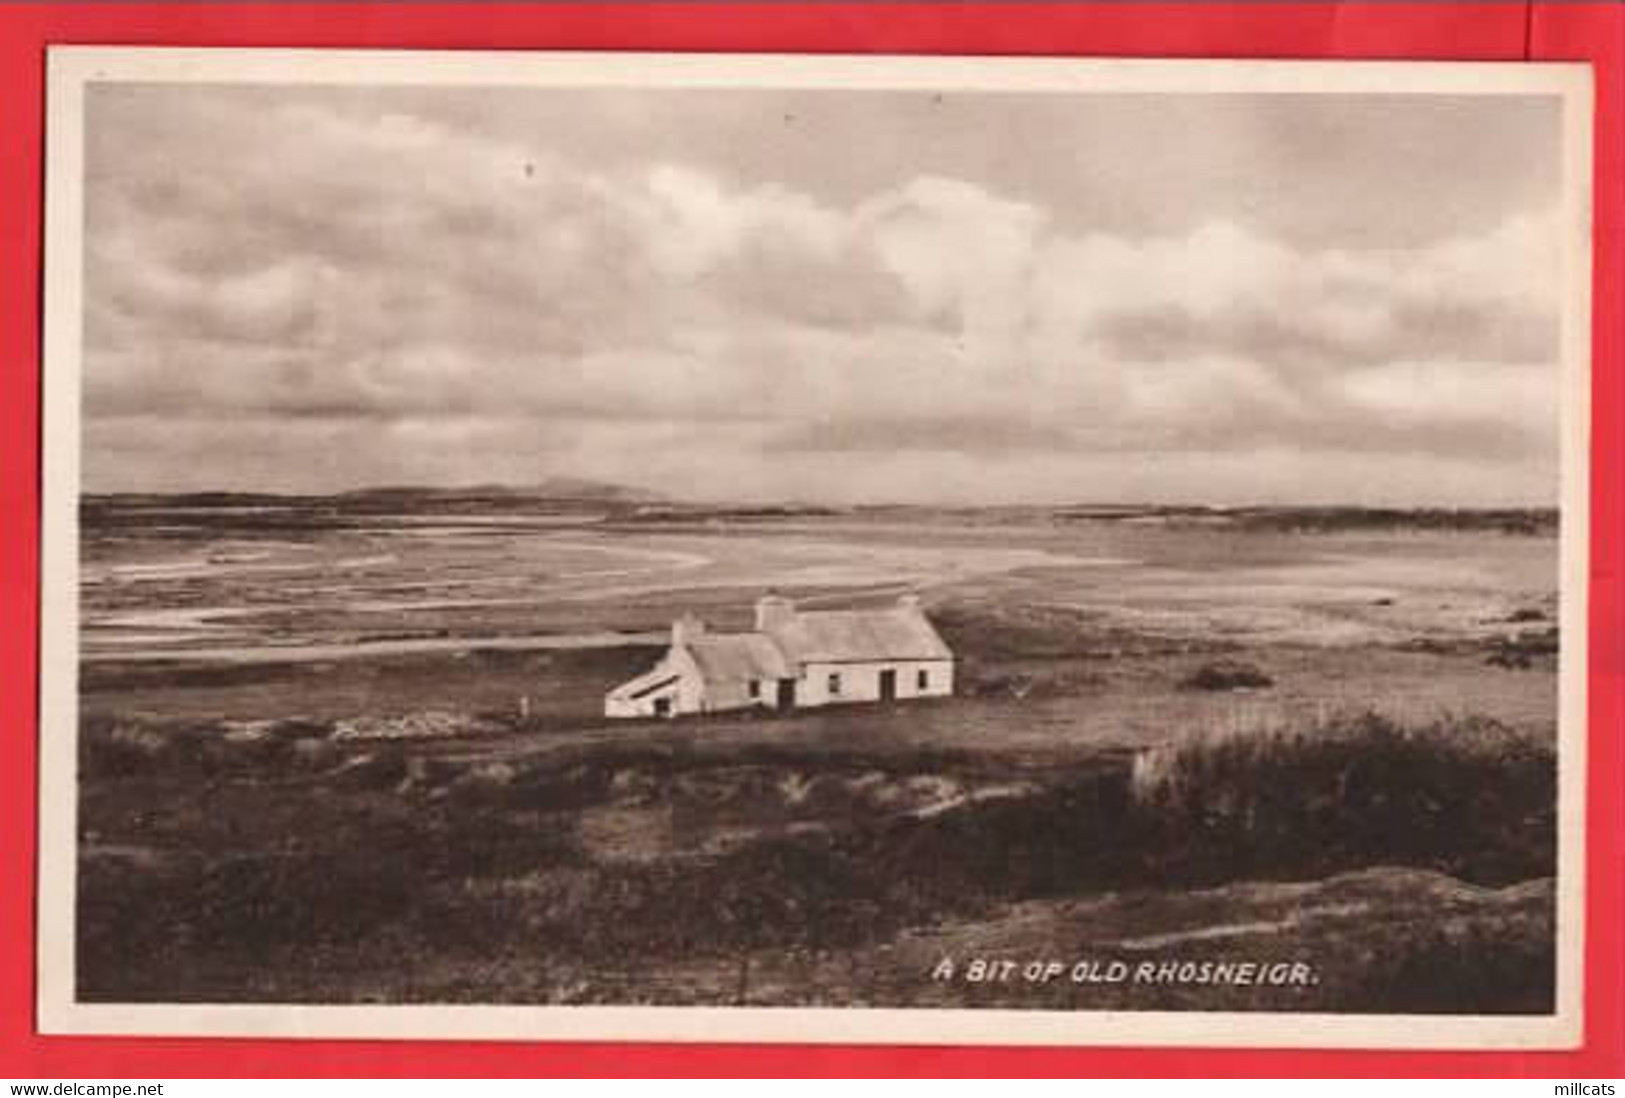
{"x":71,"y":69}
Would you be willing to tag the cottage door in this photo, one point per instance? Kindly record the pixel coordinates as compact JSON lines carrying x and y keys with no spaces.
{"x":888,"y":685}
{"x":787,"y":694}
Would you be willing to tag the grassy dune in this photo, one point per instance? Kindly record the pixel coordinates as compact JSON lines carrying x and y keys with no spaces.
{"x":290,"y":866}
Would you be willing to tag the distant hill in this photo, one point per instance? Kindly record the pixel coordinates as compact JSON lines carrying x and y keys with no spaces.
{"x":1323,"y":518}
{"x":551,"y":495}
{"x":553,"y":488}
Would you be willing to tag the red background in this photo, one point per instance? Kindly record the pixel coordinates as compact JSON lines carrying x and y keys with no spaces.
{"x":1539,"y":30}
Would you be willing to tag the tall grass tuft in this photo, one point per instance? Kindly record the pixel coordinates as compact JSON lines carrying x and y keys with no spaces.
{"x":1467,"y":796}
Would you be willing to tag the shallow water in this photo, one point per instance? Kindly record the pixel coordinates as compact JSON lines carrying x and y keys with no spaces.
{"x":523,"y":584}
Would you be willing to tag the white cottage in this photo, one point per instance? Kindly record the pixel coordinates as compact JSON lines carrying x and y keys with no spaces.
{"x":795,"y":659}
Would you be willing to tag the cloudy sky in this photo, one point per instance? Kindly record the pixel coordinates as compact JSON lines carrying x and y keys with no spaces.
{"x":824,"y":295}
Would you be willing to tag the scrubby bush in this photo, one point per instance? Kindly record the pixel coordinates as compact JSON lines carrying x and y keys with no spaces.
{"x":126,"y":747}
{"x":1525,"y":648}
{"x":1226,"y":675}
{"x":123,"y":747}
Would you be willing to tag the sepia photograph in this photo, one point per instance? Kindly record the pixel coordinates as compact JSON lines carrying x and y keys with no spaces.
{"x":814,"y":548}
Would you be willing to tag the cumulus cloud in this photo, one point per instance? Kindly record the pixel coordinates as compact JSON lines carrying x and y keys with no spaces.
{"x":272,"y":282}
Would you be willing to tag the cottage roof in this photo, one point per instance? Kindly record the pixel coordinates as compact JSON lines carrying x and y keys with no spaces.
{"x":900,"y":633}
{"x":657,"y":678}
{"x":738,"y":657}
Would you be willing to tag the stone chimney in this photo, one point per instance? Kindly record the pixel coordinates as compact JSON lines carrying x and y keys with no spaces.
{"x":773,"y":612}
{"x":685,"y":629}
{"x":909,"y":601}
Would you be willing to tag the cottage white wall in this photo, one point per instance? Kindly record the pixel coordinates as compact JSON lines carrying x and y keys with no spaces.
{"x":860,"y":682}
{"x":722,"y":695}
{"x":690,"y":684}
{"x":940,"y":683}
{"x":622,"y":707}
{"x":685,"y":694}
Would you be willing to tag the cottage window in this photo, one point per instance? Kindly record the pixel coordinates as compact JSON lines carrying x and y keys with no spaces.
{"x":922,"y":680}
{"x":835,"y":684}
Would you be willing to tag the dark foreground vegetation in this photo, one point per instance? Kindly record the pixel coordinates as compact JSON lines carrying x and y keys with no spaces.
{"x":277,"y":862}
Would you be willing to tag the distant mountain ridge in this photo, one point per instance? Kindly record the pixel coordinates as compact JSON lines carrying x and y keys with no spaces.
{"x":567,"y":488}
{"x":570,"y":491}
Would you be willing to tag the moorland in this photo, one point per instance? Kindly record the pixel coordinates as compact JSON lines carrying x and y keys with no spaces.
{"x":350,"y":749}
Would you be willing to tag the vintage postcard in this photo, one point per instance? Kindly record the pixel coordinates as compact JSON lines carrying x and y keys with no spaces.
{"x":1030,"y":551}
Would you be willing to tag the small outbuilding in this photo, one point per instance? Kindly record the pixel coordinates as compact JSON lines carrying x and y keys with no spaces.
{"x":794,"y":659}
